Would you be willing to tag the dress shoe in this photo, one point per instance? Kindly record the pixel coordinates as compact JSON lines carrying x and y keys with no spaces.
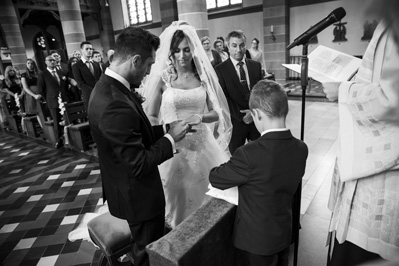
{"x":59,"y":144}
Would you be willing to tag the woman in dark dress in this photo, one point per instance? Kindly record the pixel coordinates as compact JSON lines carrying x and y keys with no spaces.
{"x":74,"y":94}
{"x":29,"y":83}
{"x":12,"y":89}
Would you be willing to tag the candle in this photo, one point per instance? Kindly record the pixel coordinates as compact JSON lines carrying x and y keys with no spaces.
{"x":271,"y":28}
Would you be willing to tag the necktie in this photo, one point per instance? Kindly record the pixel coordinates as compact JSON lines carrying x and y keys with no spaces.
{"x":54,"y":73}
{"x":243,"y":77}
{"x":90,"y":66}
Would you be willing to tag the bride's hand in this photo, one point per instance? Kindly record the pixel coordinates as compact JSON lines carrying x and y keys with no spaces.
{"x":193,"y":120}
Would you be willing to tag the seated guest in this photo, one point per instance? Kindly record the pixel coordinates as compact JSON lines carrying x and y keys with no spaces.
{"x":73,"y":92}
{"x":266,"y":185}
{"x":257,"y":54}
{"x":213,"y":55}
{"x":218,"y":45}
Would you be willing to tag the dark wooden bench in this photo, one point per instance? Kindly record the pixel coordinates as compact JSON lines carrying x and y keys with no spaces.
{"x":13,"y":119}
{"x":78,"y":126}
{"x":47,"y":122}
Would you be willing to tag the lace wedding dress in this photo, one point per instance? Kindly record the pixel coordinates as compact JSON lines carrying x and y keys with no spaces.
{"x":185,"y":176}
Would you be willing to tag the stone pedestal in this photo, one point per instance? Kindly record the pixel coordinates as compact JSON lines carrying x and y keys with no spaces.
{"x":12,"y":31}
{"x":195,"y":13}
{"x":203,"y":239}
{"x":276,"y":14}
{"x":72,"y":24}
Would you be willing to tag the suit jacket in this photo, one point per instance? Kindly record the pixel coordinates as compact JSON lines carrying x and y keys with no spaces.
{"x":86,"y":81}
{"x":48,"y":87}
{"x":237,"y":96}
{"x":129,"y":151}
{"x":266,"y":189}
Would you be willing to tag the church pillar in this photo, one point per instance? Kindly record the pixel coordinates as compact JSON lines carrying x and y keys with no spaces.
{"x":169,"y":12}
{"x":276,"y":23}
{"x":12,"y":31}
{"x":72,"y":24}
{"x":106,"y":29}
{"x":195,"y":13}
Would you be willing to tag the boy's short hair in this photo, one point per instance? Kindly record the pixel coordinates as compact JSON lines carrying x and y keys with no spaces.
{"x":269,"y":97}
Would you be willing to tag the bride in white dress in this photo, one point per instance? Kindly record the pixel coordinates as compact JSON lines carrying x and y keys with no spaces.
{"x":182,"y":85}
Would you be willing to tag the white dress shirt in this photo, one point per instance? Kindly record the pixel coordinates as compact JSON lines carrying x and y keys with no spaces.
{"x":237,"y":67}
{"x":125,"y":83}
{"x":274,"y":130}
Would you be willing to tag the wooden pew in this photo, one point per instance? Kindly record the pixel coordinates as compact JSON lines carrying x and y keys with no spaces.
{"x":78,"y":126}
{"x":47,"y":122}
{"x":14,"y":120}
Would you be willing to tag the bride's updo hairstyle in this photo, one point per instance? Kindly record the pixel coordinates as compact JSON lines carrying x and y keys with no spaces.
{"x":177,"y":38}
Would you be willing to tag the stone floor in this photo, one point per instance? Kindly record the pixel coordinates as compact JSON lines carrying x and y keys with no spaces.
{"x":45,"y":192}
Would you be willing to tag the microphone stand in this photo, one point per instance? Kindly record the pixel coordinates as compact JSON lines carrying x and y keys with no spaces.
{"x":298,"y":194}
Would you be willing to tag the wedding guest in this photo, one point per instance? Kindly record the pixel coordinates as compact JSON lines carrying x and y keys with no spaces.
{"x":52,"y":83}
{"x":213,"y":55}
{"x":59,"y":65}
{"x":237,"y":76}
{"x":129,"y":148}
{"x":218,"y":45}
{"x":98,"y":59}
{"x":86,"y":72}
{"x":74,"y":94}
{"x":12,"y":88}
{"x":364,"y":191}
{"x":29,"y":84}
{"x":257,"y":54}
{"x":266,"y":186}
{"x":225,"y":47}
{"x":77,"y":54}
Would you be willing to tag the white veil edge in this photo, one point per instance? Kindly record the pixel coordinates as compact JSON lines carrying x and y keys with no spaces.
{"x":205,"y":71}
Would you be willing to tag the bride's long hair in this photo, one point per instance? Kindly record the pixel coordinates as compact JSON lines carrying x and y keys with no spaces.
{"x":177,"y":38}
{"x":171,"y":37}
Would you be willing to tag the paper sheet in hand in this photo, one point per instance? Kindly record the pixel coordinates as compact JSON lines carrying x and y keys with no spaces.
{"x":326,"y":65}
{"x":230,"y":195}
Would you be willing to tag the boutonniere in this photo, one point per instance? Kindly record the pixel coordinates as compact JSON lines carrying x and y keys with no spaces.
{"x":64,"y":78}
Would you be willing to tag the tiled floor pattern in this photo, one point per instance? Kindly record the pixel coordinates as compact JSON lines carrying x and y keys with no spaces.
{"x":45,"y":192}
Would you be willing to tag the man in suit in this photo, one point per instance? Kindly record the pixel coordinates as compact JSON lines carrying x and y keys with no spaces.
{"x":86,"y":72}
{"x":266,"y":184}
{"x":98,"y":59}
{"x":129,"y":148}
{"x":59,"y":64}
{"x":237,"y":75}
{"x":52,"y":82}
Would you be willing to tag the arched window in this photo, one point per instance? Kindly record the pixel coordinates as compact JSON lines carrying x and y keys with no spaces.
{"x":139,"y":11}
{"x":215,"y":4}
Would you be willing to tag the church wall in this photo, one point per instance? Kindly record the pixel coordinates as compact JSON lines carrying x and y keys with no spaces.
{"x":302,"y":17}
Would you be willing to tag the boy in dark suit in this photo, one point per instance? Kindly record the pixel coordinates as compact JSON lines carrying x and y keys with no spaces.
{"x":266,"y":183}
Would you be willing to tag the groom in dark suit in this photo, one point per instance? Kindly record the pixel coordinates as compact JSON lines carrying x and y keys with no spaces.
{"x":266,"y":184}
{"x":237,"y":75}
{"x":129,"y":148}
{"x":51,"y":83}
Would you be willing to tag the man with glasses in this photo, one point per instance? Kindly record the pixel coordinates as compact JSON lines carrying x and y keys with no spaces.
{"x":86,"y":72}
{"x":52,"y":83}
{"x":59,"y":65}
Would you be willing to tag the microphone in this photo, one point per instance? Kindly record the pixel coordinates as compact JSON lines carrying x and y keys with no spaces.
{"x":335,"y":16}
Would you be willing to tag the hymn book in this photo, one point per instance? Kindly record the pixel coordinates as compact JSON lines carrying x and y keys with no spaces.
{"x":329,"y":65}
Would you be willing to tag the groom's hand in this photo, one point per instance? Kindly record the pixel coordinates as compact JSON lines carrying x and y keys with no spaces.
{"x":178,"y":130}
{"x":248,"y":117}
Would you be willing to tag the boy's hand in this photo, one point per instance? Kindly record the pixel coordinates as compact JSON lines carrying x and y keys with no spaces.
{"x":248,"y":117}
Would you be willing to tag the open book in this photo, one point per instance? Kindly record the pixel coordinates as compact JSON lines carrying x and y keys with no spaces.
{"x":326,"y":65}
